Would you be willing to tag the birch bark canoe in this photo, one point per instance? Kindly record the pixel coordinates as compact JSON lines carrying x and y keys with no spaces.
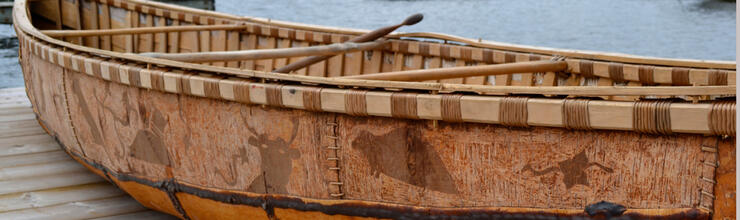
{"x":227,"y":139}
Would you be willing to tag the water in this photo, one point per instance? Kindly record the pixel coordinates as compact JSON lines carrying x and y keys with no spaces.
{"x":694,"y":29}
{"x":10,"y":70}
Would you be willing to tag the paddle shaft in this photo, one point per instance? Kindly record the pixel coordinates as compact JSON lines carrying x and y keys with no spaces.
{"x":466,"y":71}
{"x":217,"y":56}
{"x":370,"y":36}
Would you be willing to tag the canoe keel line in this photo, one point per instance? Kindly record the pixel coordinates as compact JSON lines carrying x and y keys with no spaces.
{"x":495,"y":132}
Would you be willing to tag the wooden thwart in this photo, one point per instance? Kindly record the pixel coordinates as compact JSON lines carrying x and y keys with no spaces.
{"x":466,"y":71}
{"x":325,"y":50}
{"x":140,"y":30}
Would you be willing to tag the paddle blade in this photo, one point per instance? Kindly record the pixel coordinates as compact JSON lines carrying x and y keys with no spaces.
{"x":413,"y":19}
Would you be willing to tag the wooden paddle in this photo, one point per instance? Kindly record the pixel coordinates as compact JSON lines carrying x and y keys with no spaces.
{"x":466,"y":71}
{"x":370,"y":36}
{"x":218,"y":56}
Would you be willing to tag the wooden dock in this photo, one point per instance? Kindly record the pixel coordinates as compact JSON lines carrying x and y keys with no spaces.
{"x":39,"y":181}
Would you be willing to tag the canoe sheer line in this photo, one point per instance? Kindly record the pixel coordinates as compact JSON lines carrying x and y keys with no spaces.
{"x":173,"y":187}
{"x":648,"y":116}
{"x":629,"y":72}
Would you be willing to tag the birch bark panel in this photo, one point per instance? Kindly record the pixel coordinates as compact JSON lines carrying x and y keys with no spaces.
{"x":231,"y":162}
{"x":27,"y":66}
{"x":200,"y":208}
{"x":410,"y":162}
{"x":200,"y":141}
{"x":49,"y":99}
{"x":105,"y":122}
{"x":250,"y":148}
{"x":725,"y":190}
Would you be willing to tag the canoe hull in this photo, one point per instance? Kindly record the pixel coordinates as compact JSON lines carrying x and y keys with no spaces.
{"x":154,"y":144}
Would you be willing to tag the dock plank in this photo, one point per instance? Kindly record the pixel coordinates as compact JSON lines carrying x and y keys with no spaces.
{"x":56,"y":196}
{"x":32,"y":139}
{"x":48,"y":182}
{"x":18,"y":117}
{"x":40,"y":181}
{"x":79,"y":210}
{"x":29,"y":148}
{"x":36,"y":170}
{"x":34,"y":158}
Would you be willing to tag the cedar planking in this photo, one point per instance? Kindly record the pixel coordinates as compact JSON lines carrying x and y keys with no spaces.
{"x":187,"y":138}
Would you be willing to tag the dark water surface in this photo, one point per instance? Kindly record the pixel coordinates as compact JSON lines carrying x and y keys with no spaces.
{"x":695,"y":29}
